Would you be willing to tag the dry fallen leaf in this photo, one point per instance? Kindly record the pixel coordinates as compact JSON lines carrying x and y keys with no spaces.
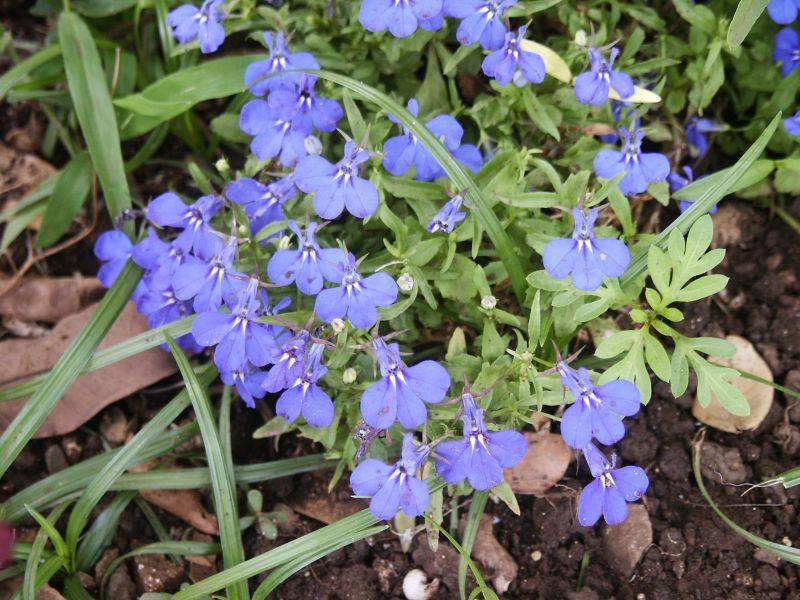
{"x":542,"y":466}
{"x":91,"y":392}
{"x":499,"y":564}
{"x":49,"y":299}
{"x":758,"y":395}
{"x":315,"y":501}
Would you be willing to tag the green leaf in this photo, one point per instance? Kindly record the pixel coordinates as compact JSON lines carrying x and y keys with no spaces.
{"x":713,"y":191}
{"x":538,"y":114}
{"x":222,"y":482}
{"x":92,"y":102}
{"x":70,"y":192}
{"x":715,"y":381}
{"x":102,"y":531}
{"x":746,"y":15}
{"x":51,"y":532}
{"x":462,"y":180}
{"x":702,"y":288}
{"x":68,"y":368}
{"x":657,"y":357}
{"x":35,"y":556}
{"x":23,"y":68}
{"x":97,"y":9}
{"x":358,"y":128}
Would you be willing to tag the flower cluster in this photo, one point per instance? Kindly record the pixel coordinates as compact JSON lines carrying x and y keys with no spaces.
{"x":203,"y":24}
{"x":597,"y":415}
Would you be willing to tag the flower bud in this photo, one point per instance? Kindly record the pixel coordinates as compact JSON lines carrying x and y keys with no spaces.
{"x":284,"y":242}
{"x":337,"y":325}
{"x":222,"y":166}
{"x":405,"y":282}
{"x":349,"y":376}
{"x":488,"y":302}
{"x":581,"y":38}
{"x":313,"y":145}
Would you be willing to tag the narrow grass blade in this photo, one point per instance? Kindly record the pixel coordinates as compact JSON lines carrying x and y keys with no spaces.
{"x":128,"y":456}
{"x":73,"y":588}
{"x":785,"y":552}
{"x":705,"y":202}
{"x":67,"y":369}
{"x":746,"y":15}
{"x":51,"y":532}
{"x":36,"y":554}
{"x":44,"y":573}
{"x":788,"y":478}
{"x":57,"y":486}
{"x":21,"y":70}
{"x":222,"y":483}
{"x":92,"y":102}
{"x":470,"y":531}
{"x":461,"y":178}
{"x":70,"y":192}
{"x":186,"y":548}
{"x":102,"y":531}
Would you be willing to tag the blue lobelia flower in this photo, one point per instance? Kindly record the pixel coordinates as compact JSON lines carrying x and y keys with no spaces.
{"x":447,"y":218}
{"x":274,"y":131}
{"x":593,"y":86}
{"x":695,"y":130}
{"x":512,"y":63}
{"x":289,"y":365}
{"x":587,"y":258}
{"x":393,"y":488}
{"x":159,"y":259}
{"x":357,"y":297}
{"x":167,"y":210}
{"x":678,"y":181}
{"x":338,"y":186}
{"x":210,"y":281}
{"x":598,"y":410}
{"x":306,"y":266}
{"x":189,"y":22}
{"x":482,"y":21}
{"x":161,"y":307}
{"x":263,"y":204}
{"x":400,"y":17}
{"x":787,"y":50}
{"x":113,"y":248}
{"x":402,"y":152}
{"x":640,"y":168}
{"x":239,"y":337}
{"x":305,"y":396}
{"x":792,"y":124}
{"x":619,"y":111}
{"x":247,"y":384}
{"x":307,"y":110}
{"x":402,"y":391}
{"x":257,"y":75}
{"x":611,"y":490}
{"x":481,"y":455}
{"x":783,"y":12}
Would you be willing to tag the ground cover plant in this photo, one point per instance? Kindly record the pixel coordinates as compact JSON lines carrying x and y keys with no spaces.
{"x":413,"y":237}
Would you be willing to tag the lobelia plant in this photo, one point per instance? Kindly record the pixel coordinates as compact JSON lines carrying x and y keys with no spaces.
{"x":366,"y":295}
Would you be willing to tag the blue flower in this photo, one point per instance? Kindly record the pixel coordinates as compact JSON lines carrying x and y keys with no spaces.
{"x":308,"y":265}
{"x":274,"y":132}
{"x":598,"y":410}
{"x":640,"y":168}
{"x":482,"y":21}
{"x":783,"y":11}
{"x":263,"y":204}
{"x":290,"y":364}
{"x":792,"y":124}
{"x":113,"y":248}
{"x":513,"y":63}
{"x":787,"y":50}
{"x":167,"y":210}
{"x":339,"y":186}
{"x":189,"y":22}
{"x":256,"y":76}
{"x":481,"y":455}
{"x":161,"y":307}
{"x":209,"y":281}
{"x":447,"y":218}
{"x":593,"y":86}
{"x":695,"y":129}
{"x":402,"y":152}
{"x":402,"y":391}
{"x":611,"y":490}
{"x":305,"y":396}
{"x":239,"y":337}
{"x":678,"y":181}
{"x":247,"y":383}
{"x":400,"y":17}
{"x":393,"y":488}
{"x":158,"y":258}
{"x":587,"y":258}
{"x":357,"y":298}
{"x":620,"y":111}
{"x":306,"y":109}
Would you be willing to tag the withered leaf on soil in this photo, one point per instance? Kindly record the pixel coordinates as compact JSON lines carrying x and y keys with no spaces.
{"x":49,"y":299}
{"x":542,"y":466}
{"x":497,"y":561}
{"x":92,"y":392}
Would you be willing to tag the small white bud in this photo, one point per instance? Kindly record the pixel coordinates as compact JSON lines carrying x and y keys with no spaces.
{"x":284,"y":242}
{"x":405,"y":282}
{"x":313,"y":145}
{"x":580,"y":38}
{"x":337,"y":325}
{"x":222,"y":166}
{"x":349,"y":376}
{"x":488,"y":302}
